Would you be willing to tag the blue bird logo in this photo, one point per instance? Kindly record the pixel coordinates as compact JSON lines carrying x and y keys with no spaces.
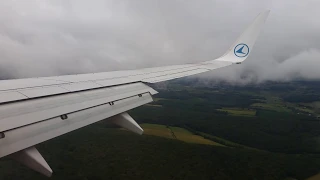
{"x":241,"y":50}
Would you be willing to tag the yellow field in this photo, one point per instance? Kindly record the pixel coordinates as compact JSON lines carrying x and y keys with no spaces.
{"x":158,"y":99}
{"x":191,"y":138}
{"x":239,"y":111}
{"x":153,"y":105}
{"x":180,"y":130}
{"x":156,"y":130}
{"x":315,"y":177}
{"x":176,"y":133}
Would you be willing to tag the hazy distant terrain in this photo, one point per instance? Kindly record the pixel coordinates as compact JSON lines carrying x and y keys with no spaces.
{"x":196,"y":131}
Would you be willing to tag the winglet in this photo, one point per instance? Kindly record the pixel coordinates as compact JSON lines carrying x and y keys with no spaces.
{"x":241,"y":49}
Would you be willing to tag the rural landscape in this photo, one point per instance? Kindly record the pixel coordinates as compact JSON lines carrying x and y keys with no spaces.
{"x":197,"y":131}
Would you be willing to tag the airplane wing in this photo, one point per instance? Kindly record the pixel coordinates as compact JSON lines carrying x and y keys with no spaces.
{"x":35,"y":110}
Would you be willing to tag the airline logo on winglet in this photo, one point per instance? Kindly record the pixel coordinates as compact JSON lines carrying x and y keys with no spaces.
{"x":241,"y":50}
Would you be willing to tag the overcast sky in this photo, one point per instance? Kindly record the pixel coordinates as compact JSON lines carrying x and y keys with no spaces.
{"x":43,"y":38}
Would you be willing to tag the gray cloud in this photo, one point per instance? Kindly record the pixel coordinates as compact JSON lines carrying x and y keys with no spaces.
{"x":43,"y":38}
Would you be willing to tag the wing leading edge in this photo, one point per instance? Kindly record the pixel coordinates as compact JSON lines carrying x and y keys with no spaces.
{"x":35,"y":110}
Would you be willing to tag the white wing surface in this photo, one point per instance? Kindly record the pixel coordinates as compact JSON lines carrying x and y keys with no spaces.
{"x":35,"y":110}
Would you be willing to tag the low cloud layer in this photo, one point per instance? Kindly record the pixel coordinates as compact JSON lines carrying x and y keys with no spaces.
{"x":303,"y":66}
{"x":43,"y":37}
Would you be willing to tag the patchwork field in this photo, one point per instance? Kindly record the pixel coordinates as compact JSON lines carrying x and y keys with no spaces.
{"x":269,"y":131}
